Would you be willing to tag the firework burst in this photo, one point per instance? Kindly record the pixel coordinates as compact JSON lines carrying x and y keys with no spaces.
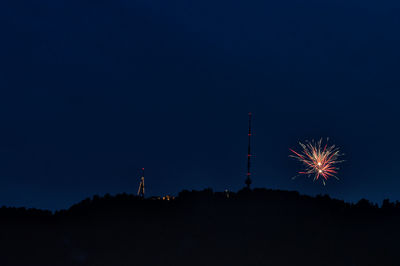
{"x":320,"y":161}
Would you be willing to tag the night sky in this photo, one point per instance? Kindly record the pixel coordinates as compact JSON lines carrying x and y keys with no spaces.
{"x":92,"y":91}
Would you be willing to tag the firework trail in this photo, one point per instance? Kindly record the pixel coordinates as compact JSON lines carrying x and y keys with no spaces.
{"x":319,"y":160}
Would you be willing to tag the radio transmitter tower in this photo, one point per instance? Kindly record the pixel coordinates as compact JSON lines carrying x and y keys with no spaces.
{"x":140,"y":192}
{"x":248,"y":179}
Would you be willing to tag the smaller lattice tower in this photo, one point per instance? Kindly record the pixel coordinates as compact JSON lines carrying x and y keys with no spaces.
{"x":140,"y":192}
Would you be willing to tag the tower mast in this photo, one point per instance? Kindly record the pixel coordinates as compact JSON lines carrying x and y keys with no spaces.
{"x":248,"y":179}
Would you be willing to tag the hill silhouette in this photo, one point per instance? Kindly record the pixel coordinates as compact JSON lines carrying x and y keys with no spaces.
{"x":250,"y":227}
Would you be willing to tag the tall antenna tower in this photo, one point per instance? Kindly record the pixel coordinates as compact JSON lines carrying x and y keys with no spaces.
{"x":248,"y":179}
{"x":140,"y":192}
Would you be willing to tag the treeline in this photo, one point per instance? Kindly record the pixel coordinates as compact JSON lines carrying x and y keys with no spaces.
{"x":257,"y":195}
{"x":248,"y":227}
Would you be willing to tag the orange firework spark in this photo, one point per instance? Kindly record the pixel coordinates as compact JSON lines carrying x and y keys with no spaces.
{"x":319,"y":160}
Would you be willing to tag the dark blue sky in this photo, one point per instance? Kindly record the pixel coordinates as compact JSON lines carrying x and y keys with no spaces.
{"x":91,"y":91}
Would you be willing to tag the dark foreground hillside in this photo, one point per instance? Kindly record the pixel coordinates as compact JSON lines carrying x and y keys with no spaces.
{"x":261,"y":227}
